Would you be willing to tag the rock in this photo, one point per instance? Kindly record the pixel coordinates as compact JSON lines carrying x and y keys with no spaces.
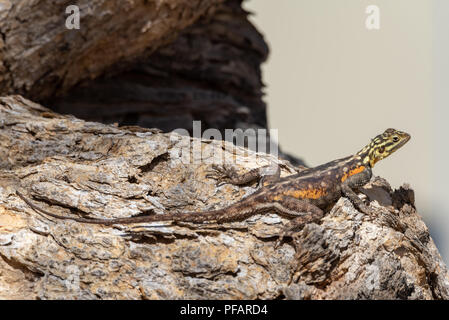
{"x":40,"y":57}
{"x":72,"y":167}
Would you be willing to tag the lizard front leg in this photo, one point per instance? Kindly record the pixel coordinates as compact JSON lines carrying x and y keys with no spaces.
{"x":354,"y":182}
{"x":265,"y":175}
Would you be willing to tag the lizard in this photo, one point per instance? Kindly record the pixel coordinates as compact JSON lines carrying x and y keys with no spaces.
{"x":304,"y":196}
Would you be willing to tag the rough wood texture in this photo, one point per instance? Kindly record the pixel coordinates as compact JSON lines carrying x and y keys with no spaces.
{"x":74,"y":167}
{"x":127,"y":64}
{"x":211,"y":73}
{"x":40,"y":57}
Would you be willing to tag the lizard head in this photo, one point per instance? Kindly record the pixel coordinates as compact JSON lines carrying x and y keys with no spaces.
{"x":383,"y":145}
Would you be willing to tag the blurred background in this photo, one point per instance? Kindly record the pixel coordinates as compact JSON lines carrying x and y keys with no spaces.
{"x":332,"y":84}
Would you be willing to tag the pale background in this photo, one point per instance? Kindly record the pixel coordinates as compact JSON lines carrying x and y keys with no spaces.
{"x":332,"y":85}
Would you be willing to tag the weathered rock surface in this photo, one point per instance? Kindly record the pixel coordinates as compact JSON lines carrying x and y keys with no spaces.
{"x":155,"y":64}
{"x":72,"y":167}
{"x":210,"y":72}
{"x":40,"y":57}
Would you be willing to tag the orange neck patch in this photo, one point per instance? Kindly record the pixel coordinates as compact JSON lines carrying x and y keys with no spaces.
{"x":352,"y":172}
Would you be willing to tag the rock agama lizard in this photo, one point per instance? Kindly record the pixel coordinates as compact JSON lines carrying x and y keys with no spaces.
{"x":304,"y":196}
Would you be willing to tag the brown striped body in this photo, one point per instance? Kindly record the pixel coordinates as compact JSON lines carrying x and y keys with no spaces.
{"x":321,"y":186}
{"x":303,"y":196}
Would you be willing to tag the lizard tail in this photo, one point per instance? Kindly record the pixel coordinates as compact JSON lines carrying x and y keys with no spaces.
{"x":237,"y":211}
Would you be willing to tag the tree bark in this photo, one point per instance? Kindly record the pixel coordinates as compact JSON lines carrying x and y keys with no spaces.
{"x":72,"y":167}
{"x":210,"y":73}
{"x":41,"y":58}
{"x":153,"y":64}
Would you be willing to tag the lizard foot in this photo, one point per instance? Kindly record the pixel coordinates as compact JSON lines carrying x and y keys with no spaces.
{"x":366,"y":209}
{"x":224,"y":174}
{"x":278,"y":241}
{"x":291,"y":232}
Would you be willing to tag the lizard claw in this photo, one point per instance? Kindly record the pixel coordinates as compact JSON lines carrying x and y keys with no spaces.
{"x":279,"y":240}
{"x":366,"y":210}
{"x":278,"y":243}
{"x":221,"y":173}
{"x":220,"y":183}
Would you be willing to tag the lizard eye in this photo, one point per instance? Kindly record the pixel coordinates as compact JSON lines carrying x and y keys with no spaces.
{"x":395,"y":139}
{"x":381,"y":149}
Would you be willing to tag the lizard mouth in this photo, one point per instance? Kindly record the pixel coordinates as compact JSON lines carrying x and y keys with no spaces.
{"x":405,"y":138}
